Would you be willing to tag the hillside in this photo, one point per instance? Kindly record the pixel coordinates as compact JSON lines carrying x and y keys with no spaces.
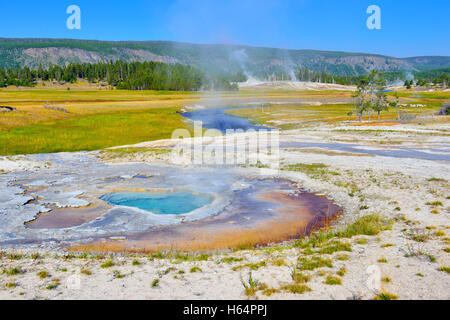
{"x":253,"y":61}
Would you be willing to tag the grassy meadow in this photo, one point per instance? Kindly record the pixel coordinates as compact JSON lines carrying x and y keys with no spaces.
{"x":291,"y":116}
{"x":97,"y":119}
{"x":91,"y":120}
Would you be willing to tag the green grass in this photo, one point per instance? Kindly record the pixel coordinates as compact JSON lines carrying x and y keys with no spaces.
{"x":195,"y":269}
{"x":435,"y":204}
{"x":43,"y":274}
{"x":341,"y":272}
{"x":12,"y":272}
{"x":251,"y":286}
{"x":231,"y":260}
{"x":107,"y":264}
{"x":386,"y":296}
{"x":270,"y":291}
{"x":86,"y":272}
{"x":336,"y":247}
{"x":91,"y":132}
{"x":155,"y":283}
{"x":251,"y":266}
{"x":135,"y":263}
{"x":313,"y":263}
{"x":445,"y":269}
{"x":297,"y":288}
{"x":315,"y":170}
{"x":370,"y":225}
{"x":299,"y":277}
{"x":333,"y":281}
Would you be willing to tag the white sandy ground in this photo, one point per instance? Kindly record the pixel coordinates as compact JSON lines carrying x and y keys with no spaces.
{"x":399,"y":189}
{"x":254,"y":84}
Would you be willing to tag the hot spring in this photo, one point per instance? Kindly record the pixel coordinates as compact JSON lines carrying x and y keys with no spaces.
{"x":173,"y":203}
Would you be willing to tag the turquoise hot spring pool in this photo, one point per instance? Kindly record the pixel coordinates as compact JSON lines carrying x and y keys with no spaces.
{"x":174,"y":203}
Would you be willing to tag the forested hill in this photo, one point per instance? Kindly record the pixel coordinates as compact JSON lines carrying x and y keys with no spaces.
{"x":252,"y":61}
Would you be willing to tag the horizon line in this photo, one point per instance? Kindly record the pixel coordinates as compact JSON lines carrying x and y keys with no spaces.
{"x":222,"y":44}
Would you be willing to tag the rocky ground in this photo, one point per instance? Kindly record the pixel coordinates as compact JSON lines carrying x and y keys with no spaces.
{"x":394,"y":241}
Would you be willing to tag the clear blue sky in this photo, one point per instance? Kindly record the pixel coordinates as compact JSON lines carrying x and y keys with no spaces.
{"x":409,"y":27}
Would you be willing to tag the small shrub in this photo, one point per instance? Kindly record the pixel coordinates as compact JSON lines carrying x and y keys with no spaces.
{"x":362,"y":241}
{"x":15,"y":257}
{"x":230,"y":260}
{"x":12,"y":272}
{"x":382,"y":260}
{"x":435,"y":211}
{"x":386,"y":296}
{"x":435,"y":204}
{"x":252,"y":266}
{"x":297,"y":288}
{"x":11,"y":285}
{"x":270,"y":291}
{"x":155,"y":283}
{"x":252,"y":286}
{"x":53,"y":285}
{"x":135,"y":263}
{"x":343,"y":257}
{"x":370,"y":225}
{"x":107,"y":264}
{"x":332,"y":281}
{"x":42,"y":274}
{"x":341,"y":272}
{"x":445,"y":269}
{"x":299,"y":277}
{"x":336,"y":247}
{"x":118,"y":275}
{"x":86,"y":272}
{"x":196,"y":269}
{"x":279,"y":263}
{"x":313,"y":263}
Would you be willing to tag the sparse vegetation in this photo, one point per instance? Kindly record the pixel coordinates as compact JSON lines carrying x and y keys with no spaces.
{"x":296,"y":288}
{"x":43,"y":274}
{"x":332,"y":281}
{"x":386,"y":296}
{"x":107,"y":264}
{"x":445,"y":269}
{"x":251,"y":286}
{"x":313,"y":263}
{"x":86,"y":272}
{"x":12,"y":272}
{"x":196,"y":269}
{"x":135,"y":263}
{"x":155,"y":283}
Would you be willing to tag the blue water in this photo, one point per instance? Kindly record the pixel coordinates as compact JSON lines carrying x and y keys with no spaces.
{"x":216,"y":118}
{"x":159,"y":203}
{"x":393,"y":152}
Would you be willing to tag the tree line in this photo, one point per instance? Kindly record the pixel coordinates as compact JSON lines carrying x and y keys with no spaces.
{"x":123,"y":75}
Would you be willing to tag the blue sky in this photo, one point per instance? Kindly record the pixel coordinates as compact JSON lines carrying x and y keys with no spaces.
{"x":409,"y":27}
